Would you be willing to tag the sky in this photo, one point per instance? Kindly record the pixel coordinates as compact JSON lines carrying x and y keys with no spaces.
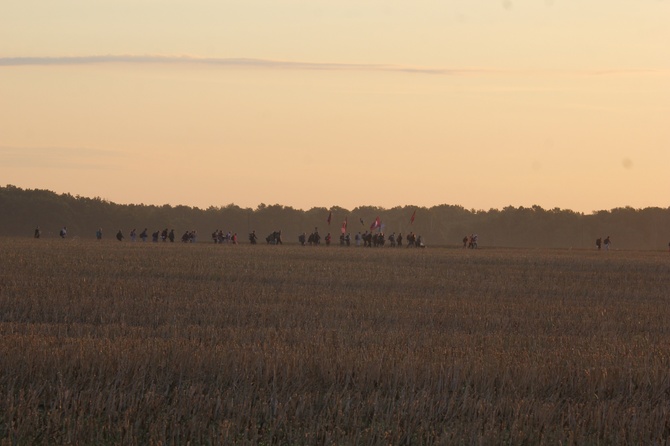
{"x":312,"y":103}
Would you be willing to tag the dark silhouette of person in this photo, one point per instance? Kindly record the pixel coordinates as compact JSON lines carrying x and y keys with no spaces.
{"x":37,"y":232}
{"x":119,"y":236}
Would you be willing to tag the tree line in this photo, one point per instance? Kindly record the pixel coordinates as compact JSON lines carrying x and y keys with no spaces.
{"x":444,"y":225}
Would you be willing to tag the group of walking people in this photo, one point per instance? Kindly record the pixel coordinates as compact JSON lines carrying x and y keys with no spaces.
{"x":471,"y":241}
{"x":164,"y":235}
{"x":366,"y":239}
{"x":219,"y":236}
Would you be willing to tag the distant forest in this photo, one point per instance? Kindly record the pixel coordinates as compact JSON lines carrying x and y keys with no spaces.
{"x":21,"y":210}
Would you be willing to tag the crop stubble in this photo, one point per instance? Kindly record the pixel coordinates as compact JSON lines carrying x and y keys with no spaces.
{"x":168,"y":343}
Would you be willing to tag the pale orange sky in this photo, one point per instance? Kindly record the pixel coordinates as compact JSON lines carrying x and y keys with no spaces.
{"x":315,"y":103}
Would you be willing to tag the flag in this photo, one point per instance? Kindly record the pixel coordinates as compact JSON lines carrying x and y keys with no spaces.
{"x":330,"y":217}
{"x":376,"y":224}
{"x":411,"y":220}
{"x":344,"y":225}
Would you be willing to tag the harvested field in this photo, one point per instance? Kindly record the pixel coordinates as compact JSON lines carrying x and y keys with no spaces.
{"x":159,"y":343}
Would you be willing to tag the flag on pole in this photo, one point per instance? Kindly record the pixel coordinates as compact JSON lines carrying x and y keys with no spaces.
{"x":330,"y":217}
{"x":376,"y":224}
{"x":411,"y":220}
{"x":344,"y":225}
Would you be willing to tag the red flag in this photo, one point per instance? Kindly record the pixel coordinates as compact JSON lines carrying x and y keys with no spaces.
{"x":330,"y":217}
{"x":376,"y":224}
{"x":344,"y":225}
{"x":411,"y":220}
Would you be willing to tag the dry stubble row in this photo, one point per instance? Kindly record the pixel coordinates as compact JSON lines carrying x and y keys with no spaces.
{"x":160,"y":343}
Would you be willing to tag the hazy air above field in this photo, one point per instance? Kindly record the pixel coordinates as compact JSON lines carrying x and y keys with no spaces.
{"x":320,"y":103}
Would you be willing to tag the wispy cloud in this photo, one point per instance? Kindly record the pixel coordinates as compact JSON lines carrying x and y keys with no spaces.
{"x":314,"y":66}
{"x":225,"y":62}
{"x":59,"y":157}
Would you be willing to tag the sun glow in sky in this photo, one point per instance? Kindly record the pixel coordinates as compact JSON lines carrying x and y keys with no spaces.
{"x":320,"y":103}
